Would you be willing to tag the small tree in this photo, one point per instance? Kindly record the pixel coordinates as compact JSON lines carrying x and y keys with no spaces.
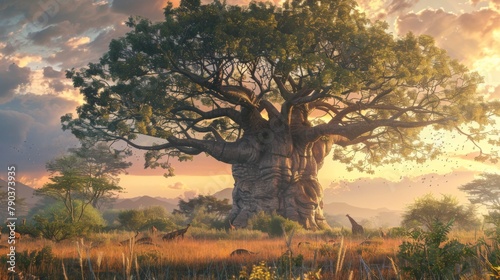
{"x":211,"y":205}
{"x":427,"y":209}
{"x":87,"y":175}
{"x":132,"y":219}
{"x":484,"y":190}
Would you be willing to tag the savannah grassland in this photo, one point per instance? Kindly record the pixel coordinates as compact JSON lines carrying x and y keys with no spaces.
{"x":206,"y":255}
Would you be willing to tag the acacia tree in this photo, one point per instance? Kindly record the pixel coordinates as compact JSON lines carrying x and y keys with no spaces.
{"x":211,"y":205}
{"x":86,"y":176}
{"x":484,"y":190}
{"x":426,"y":210}
{"x":271,"y":91}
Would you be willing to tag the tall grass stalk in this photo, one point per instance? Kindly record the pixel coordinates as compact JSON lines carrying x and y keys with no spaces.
{"x":64,"y":271}
{"x":137,"y":268}
{"x":364,"y":267}
{"x":80,"y":258}
{"x":99,"y":261}
{"x":394,"y":268}
{"x":340,"y":257}
{"x":127,"y":260}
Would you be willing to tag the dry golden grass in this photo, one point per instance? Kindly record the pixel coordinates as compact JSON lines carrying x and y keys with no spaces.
{"x":190,"y":258}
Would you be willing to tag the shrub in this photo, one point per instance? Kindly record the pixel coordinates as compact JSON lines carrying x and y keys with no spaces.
{"x":260,"y":221}
{"x":278,"y":223}
{"x":53,"y":222}
{"x":273,"y":224}
{"x":429,"y":254}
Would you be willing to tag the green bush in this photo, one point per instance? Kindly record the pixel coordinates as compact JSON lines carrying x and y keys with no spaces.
{"x":278,"y":223}
{"x":396,"y":232}
{"x":53,"y":222}
{"x":261,"y":221}
{"x":273,"y":224}
{"x":429,"y":254}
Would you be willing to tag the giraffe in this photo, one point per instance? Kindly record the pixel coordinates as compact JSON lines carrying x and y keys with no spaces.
{"x":356,"y":228}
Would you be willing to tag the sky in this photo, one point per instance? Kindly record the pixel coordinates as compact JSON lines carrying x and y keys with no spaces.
{"x":40,"y":40}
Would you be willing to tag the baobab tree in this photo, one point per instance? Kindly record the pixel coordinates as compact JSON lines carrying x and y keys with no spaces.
{"x":272,"y":91}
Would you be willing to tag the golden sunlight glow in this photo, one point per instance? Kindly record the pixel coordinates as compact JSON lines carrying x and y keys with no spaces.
{"x":489,"y":68}
{"x":23,"y":60}
{"x":76,"y":42}
{"x":178,"y":186}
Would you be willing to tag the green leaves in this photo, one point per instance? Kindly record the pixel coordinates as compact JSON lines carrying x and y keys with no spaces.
{"x":169,"y":80}
{"x":429,"y":254}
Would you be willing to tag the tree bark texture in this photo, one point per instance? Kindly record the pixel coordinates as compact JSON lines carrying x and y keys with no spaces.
{"x":282,"y":178}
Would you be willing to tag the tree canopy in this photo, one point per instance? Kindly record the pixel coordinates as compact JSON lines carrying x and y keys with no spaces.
{"x":484,"y":190}
{"x":426,"y":210}
{"x":87,"y":175}
{"x":210,"y":73}
{"x":271,"y":90}
{"x":210,"y":204}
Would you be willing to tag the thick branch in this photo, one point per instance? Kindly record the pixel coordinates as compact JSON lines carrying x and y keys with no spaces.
{"x":354,"y":130}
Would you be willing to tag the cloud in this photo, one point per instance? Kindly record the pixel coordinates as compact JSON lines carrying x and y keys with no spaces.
{"x":49,"y":72}
{"x":189,"y":194}
{"x":380,"y":9}
{"x":14,"y":127}
{"x":492,"y":3}
{"x":66,"y":27}
{"x":494,"y":92}
{"x":8,"y":49}
{"x":466,"y":36}
{"x":31,"y":134}
{"x":176,"y":186}
{"x":151,"y":9}
{"x":398,"y":6}
{"x":76,"y":42}
{"x":380,"y":192}
{"x":12,"y":77}
{"x":54,"y":79}
{"x":45,"y":36}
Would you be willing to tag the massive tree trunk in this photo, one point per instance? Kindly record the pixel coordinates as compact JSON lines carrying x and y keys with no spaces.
{"x":282,"y":178}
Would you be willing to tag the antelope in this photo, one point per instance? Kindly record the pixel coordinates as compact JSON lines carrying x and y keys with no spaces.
{"x":240,"y":252}
{"x":305,"y":243}
{"x":383,"y":234}
{"x":154,"y":231}
{"x":144,"y":240}
{"x":125,"y":242}
{"x":17,"y":235}
{"x":231,"y":226}
{"x":174,"y":234}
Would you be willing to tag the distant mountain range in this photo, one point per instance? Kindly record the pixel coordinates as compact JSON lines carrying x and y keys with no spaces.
{"x":24,"y":192}
{"x":143,"y":202}
{"x":335,"y":211}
